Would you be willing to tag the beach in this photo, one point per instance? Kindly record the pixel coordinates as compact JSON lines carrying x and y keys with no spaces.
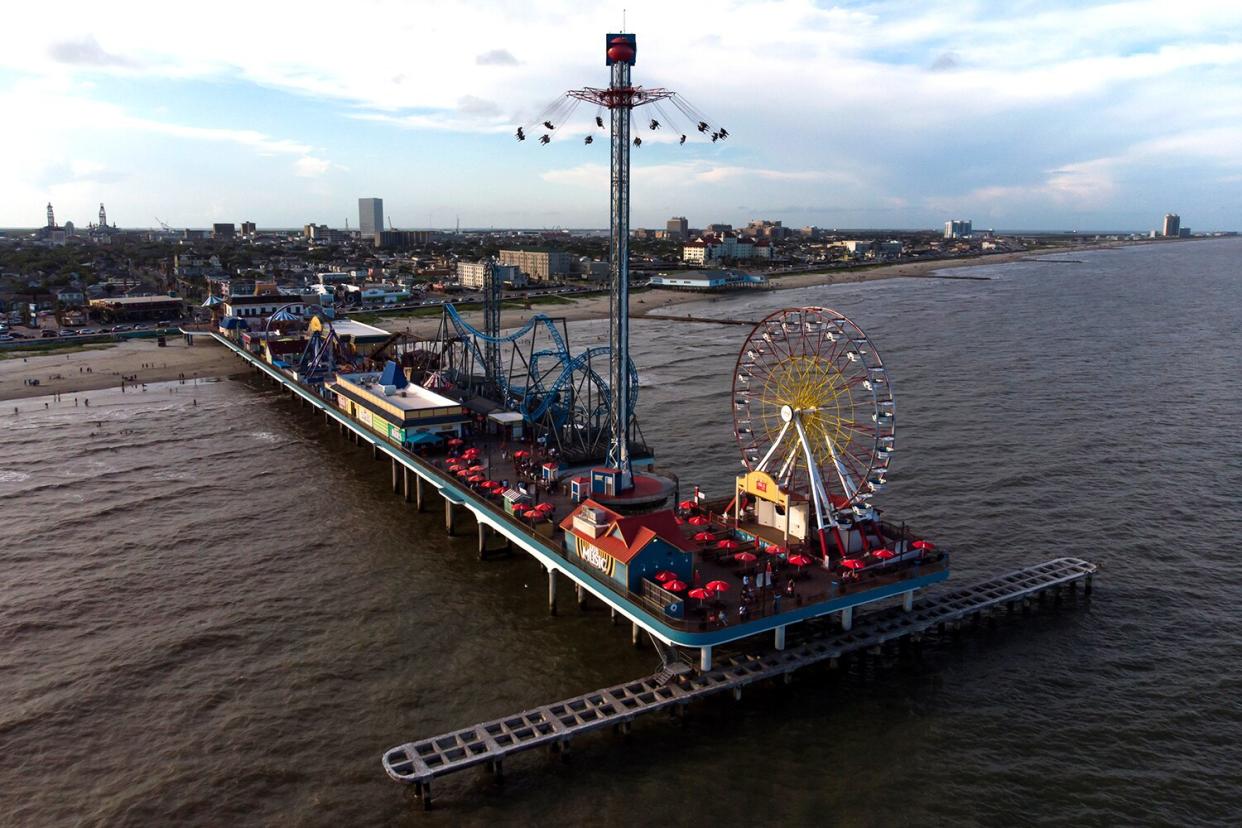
{"x":95,"y":367}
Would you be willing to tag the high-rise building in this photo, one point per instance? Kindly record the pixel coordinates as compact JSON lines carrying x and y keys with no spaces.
{"x":221,"y":230}
{"x":370,"y":216}
{"x":678,"y":227}
{"x":1172,"y":225}
{"x":51,"y":217}
{"x":248,"y":229}
{"x":539,"y":264}
{"x":958,"y":229}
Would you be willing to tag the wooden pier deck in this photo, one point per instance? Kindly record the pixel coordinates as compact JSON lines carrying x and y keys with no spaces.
{"x":554,"y":725}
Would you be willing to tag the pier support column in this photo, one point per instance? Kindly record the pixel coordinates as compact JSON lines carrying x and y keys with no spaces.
{"x":448,"y":516}
{"x":612,"y":614}
{"x":552,"y":592}
{"x":375,"y":451}
{"x":847,"y":619}
{"x":635,"y":635}
{"x":418,"y":493}
{"x":780,"y":637}
{"x":482,"y":541}
{"x":705,"y":658}
{"x":405,"y":483}
{"x":581,"y":595}
{"x":396,"y":476}
{"x":907,"y":600}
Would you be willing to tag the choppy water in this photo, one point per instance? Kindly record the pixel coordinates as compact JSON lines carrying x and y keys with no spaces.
{"x":224,"y":617}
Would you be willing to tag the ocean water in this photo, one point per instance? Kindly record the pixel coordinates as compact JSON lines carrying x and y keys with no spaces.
{"x":213,"y":611}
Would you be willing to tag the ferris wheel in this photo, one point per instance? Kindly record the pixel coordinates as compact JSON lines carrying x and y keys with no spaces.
{"x":812,"y":407}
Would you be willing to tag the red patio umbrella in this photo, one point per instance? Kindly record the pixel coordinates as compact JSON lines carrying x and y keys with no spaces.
{"x":477,"y":469}
{"x":475,"y":478}
{"x":532,"y":514}
{"x":717,"y":586}
{"x":455,"y":441}
{"x":703,"y":537}
{"x":926,"y":546}
{"x":687,"y":504}
{"x":852,"y":563}
{"x":745,"y":557}
{"x":799,"y":560}
{"x":776,"y":550}
{"x":679,"y":520}
{"x":675,"y":585}
{"x":521,"y":453}
{"x":664,"y":575}
{"x":699,"y":520}
{"x":701,"y":593}
{"x":544,"y":507}
{"x":884,"y":554}
{"x":727,"y":544}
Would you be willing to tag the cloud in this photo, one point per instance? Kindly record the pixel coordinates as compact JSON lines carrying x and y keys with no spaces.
{"x":945,"y":62}
{"x":86,"y":51}
{"x":309,"y":166}
{"x":496,"y":57}
{"x":474,"y":107}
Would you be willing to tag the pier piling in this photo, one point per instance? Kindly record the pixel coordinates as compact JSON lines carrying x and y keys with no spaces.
{"x":405,"y":483}
{"x":847,"y":619}
{"x":552,"y":592}
{"x":448,"y":516}
{"x":418,"y":492}
{"x":396,"y":476}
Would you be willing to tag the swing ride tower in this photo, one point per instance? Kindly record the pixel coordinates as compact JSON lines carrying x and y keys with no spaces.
{"x":620,"y":98}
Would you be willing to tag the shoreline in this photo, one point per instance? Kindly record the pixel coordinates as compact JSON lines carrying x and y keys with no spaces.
{"x":101,"y":368}
{"x":93,"y":369}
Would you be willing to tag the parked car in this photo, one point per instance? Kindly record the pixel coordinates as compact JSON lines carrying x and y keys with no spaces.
{"x":48,"y":334}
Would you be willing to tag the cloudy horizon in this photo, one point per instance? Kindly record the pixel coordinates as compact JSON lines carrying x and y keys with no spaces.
{"x":1053,"y":116}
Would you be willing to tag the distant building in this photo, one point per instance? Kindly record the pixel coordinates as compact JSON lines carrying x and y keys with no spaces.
{"x":678,"y":228}
{"x":252,"y":307}
{"x":957,"y":229}
{"x":709,"y":248}
{"x":710,"y":280}
{"x":70,"y":297}
{"x":370,"y":216}
{"x":472,"y":274}
{"x":126,"y":308}
{"x":539,"y":264}
{"x":248,"y":229}
{"x":401,"y":238}
{"x":1183,"y":232}
{"x":716,"y":229}
{"x":1172,"y":225}
{"x":223,"y":231}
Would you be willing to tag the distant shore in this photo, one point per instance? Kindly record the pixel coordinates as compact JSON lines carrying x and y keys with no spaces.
{"x":659,"y":301}
{"x":81,"y":371}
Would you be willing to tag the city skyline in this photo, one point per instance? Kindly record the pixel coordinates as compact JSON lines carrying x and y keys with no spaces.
{"x":894,"y":115}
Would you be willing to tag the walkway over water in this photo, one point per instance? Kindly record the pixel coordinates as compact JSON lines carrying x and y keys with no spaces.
{"x":554,"y":725}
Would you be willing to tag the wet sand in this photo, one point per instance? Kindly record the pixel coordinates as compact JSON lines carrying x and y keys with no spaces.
{"x":102,"y":367}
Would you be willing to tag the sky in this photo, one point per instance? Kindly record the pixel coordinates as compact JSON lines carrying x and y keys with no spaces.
{"x":1021,"y":115}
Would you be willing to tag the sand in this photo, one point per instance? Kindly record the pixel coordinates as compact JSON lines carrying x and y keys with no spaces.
{"x":67,"y":373}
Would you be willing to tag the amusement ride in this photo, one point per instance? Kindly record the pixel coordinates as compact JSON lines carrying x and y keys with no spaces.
{"x":813,"y":408}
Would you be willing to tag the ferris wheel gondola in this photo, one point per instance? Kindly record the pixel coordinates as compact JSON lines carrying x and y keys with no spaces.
{"x":813,"y":407}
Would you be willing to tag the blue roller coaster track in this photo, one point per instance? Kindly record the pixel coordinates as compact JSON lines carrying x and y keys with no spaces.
{"x":537,"y":399}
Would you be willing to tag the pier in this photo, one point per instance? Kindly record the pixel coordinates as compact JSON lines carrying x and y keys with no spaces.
{"x":678,"y":684}
{"x":829,"y":619}
{"x":666,"y":317}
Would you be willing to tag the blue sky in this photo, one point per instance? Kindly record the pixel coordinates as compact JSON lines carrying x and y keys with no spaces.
{"x":896,"y":114}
